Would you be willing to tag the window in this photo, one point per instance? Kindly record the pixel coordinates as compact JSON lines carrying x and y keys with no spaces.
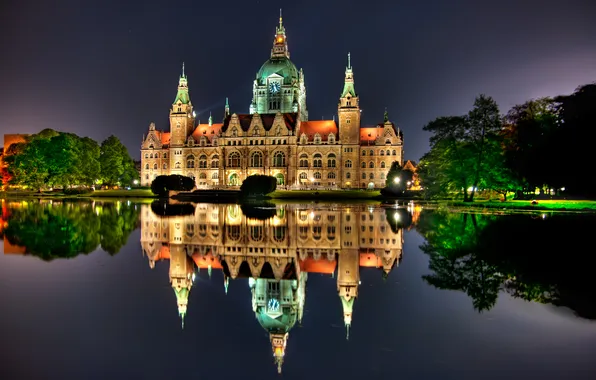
{"x":372,"y":152}
{"x":256,"y":160}
{"x":279,"y":159}
{"x":146,"y":155}
{"x":383,"y":165}
{"x":318,"y":161}
{"x":388,"y":152}
{"x":155,"y":166}
{"x":234,"y":160}
{"x":303,"y":176}
{"x":165,"y":166}
{"x":363,"y":164}
{"x":371,"y":165}
{"x":331,"y":138}
{"x":177,"y":165}
{"x":215,"y":175}
{"x":317,"y":175}
{"x":203,"y":140}
{"x":371,"y":176}
{"x":303,"y":139}
{"x":317,"y":138}
{"x":190,"y":161}
{"x":151,"y":155}
{"x":202,"y":176}
{"x":331,"y":160}
{"x":165,"y":155}
{"x":331,"y":175}
{"x":363,"y":175}
{"x":394,"y":153}
{"x":364,"y":153}
{"x":156,"y":155}
{"x":387,"y":141}
{"x":203,"y":161}
{"x":348,"y":163}
{"x":348,"y":175}
{"x":234,"y":132}
{"x":146,"y":176}
{"x":382,"y":153}
{"x":303,"y":160}
{"x":215,"y":162}
{"x":147,"y":166}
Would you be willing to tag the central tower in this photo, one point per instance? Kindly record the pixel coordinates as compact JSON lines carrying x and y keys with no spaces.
{"x":279,"y":86}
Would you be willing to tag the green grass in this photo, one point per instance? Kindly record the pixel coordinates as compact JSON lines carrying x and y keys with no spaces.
{"x":555,"y":205}
{"x":325,"y":194}
{"x":120,"y":193}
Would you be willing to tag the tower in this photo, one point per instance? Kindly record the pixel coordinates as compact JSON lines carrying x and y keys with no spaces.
{"x":181,"y":277}
{"x":182,"y":118}
{"x":348,"y":279}
{"x":348,"y":110}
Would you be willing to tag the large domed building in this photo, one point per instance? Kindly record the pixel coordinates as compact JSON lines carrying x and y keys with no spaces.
{"x":275,"y":138}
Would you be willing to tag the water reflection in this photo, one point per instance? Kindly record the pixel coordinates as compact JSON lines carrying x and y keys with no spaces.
{"x":275,"y":247}
{"x":53,"y":229}
{"x":540,"y":258}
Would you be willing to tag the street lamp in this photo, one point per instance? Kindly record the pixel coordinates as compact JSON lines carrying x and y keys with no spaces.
{"x":396,"y":180}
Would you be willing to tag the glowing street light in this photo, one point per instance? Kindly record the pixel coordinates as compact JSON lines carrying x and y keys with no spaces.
{"x":396,"y":180}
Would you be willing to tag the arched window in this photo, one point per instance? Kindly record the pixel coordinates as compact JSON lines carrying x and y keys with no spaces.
{"x":348,"y":163}
{"x":363,"y":175}
{"x":372,"y":152}
{"x":146,"y":155}
{"x":165,"y":166}
{"x":234,"y":160}
{"x":165,"y":155}
{"x":331,"y":175}
{"x":387,"y":141}
{"x":147,"y":166}
{"x":303,"y":176}
{"x":177,"y":165}
{"x":155,"y":166}
{"x":382,"y":153}
{"x":371,"y":176}
{"x":331,"y":160}
{"x":190,"y":161}
{"x":203,"y":140}
{"x":394,"y":153}
{"x":215,"y":175}
{"x":279,"y":159}
{"x":146,"y":176}
{"x":234,"y":132}
{"x":388,"y":152}
{"x":317,"y":138}
{"x":256,"y":160}
{"x":317,"y":161}
{"x":371,"y":165}
{"x":303,"y":139}
{"x":156,"y":155}
{"x":364,"y":153}
{"x":383,"y":165}
{"x":317,"y":175}
{"x":151,"y":155}
{"x":331,"y":138}
{"x":363,"y":164}
{"x":304,"y":160}
{"x":202,"y":176}
{"x":203,"y":161}
{"x":348,"y":175}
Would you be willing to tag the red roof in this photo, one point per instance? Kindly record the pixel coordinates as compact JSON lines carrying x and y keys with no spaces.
{"x":209,"y":131}
{"x":165,"y":138}
{"x":369,"y":135}
{"x":322,"y":127}
{"x":203,"y":261}
{"x":323,"y":265}
{"x":370,"y":260}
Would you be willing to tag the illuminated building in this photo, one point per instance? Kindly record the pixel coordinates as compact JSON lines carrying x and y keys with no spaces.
{"x":275,"y":138}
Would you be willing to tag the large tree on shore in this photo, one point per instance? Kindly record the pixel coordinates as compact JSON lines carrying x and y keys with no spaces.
{"x":117,"y":167}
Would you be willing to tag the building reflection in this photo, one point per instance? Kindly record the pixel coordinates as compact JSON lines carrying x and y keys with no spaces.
{"x":276,"y":249}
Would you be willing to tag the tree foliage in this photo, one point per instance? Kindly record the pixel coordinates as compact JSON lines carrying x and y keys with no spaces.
{"x":56,"y":159}
{"x":117,"y":167}
{"x":258,"y":185}
{"x":175,"y":182}
{"x":397,"y":180}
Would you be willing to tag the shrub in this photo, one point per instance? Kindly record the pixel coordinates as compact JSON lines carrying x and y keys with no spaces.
{"x":77,"y":190}
{"x":164,"y":183}
{"x":258,"y":185}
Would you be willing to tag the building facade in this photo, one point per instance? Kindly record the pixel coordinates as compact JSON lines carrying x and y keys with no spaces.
{"x":275,"y":138}
{"x":276,"y":255}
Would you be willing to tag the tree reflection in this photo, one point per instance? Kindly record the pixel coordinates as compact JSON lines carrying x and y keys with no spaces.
{"x":533,"y":258}
{"x":53,"y":230}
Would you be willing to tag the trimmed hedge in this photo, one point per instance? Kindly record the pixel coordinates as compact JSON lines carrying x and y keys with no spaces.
{"x":258,"y":185}
{"x":164,"y":183}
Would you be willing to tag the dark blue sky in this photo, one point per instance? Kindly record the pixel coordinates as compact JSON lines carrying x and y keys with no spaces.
{"x":111,"y":67}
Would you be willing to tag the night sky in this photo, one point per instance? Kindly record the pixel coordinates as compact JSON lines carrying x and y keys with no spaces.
{"x":98,"y":68}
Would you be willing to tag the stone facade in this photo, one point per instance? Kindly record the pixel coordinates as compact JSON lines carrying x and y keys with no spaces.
{"x":275,"y":137}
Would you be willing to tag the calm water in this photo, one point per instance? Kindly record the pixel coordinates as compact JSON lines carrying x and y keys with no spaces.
{"x":136,"y":291}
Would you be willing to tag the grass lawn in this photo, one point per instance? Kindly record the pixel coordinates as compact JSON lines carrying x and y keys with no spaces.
{"x":121,"y":193}
{"x":325,"y":194}
{"x":560,"y":205}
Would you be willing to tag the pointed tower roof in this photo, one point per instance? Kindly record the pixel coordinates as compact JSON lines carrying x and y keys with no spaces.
{"x":278,"y":345}
{"x":182,"y":300}
{"x":182,"y":95}
{"x":349,"y":80}
{"x":347,"y":304}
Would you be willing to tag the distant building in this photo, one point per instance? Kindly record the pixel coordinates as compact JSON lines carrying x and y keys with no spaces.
{"x":275,"y":138}
{"x":413,"y":167}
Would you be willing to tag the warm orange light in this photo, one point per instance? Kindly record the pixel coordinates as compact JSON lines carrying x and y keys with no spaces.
{"x":278,"y":351}
{"x":280,"y":39}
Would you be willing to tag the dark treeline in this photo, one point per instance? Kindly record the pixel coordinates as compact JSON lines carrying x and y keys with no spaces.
{"x":55,"y":159}
{"x":542,"y":144}
{"x":65,"y":230}
{"x":536,"y":258}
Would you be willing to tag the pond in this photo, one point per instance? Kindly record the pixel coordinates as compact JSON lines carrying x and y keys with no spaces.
{"x":120,"y":289}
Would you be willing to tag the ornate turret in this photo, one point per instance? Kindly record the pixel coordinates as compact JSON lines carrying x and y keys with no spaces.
{"x":280,"y":44}
{"x":348,"y":279}
{"x":182,"y":96}
{"x":181,"y":277}
{"x":278,"y":345}
{"x":348,"y":109}
{"x":226,"y":109}
{"x":182,"y":117}
{"x":349,"y":80}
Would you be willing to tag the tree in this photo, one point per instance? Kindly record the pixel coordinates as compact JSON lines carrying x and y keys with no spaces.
{"x":258,"y":185}
{"x":397,"y":179}
{"x":117,"y":167}
{"x":162,"y":184}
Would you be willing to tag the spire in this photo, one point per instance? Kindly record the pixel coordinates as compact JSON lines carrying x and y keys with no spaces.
{"x":210,"y":123}
{"x":347,"y":331}
{"x":182,"y":95}
{"x":386,"y":116}
{"x":226,"y":109}
{"x":278,"y":344}
{"x":209,"y":267}
{"x":226,"y":283}
{"x":349,"y":80}
{"x":280,"y":46}
{"x":183,"y":70}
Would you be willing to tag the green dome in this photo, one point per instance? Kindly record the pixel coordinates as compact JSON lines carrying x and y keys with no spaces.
{"x":278,"y":65}
{"x":281,"y":324}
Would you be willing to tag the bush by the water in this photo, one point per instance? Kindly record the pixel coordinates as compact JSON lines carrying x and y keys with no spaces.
{"x":164,"y":208}
{"x":258,"y":185}
{"x":164,"y":183}
{"x":77,"y":190}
